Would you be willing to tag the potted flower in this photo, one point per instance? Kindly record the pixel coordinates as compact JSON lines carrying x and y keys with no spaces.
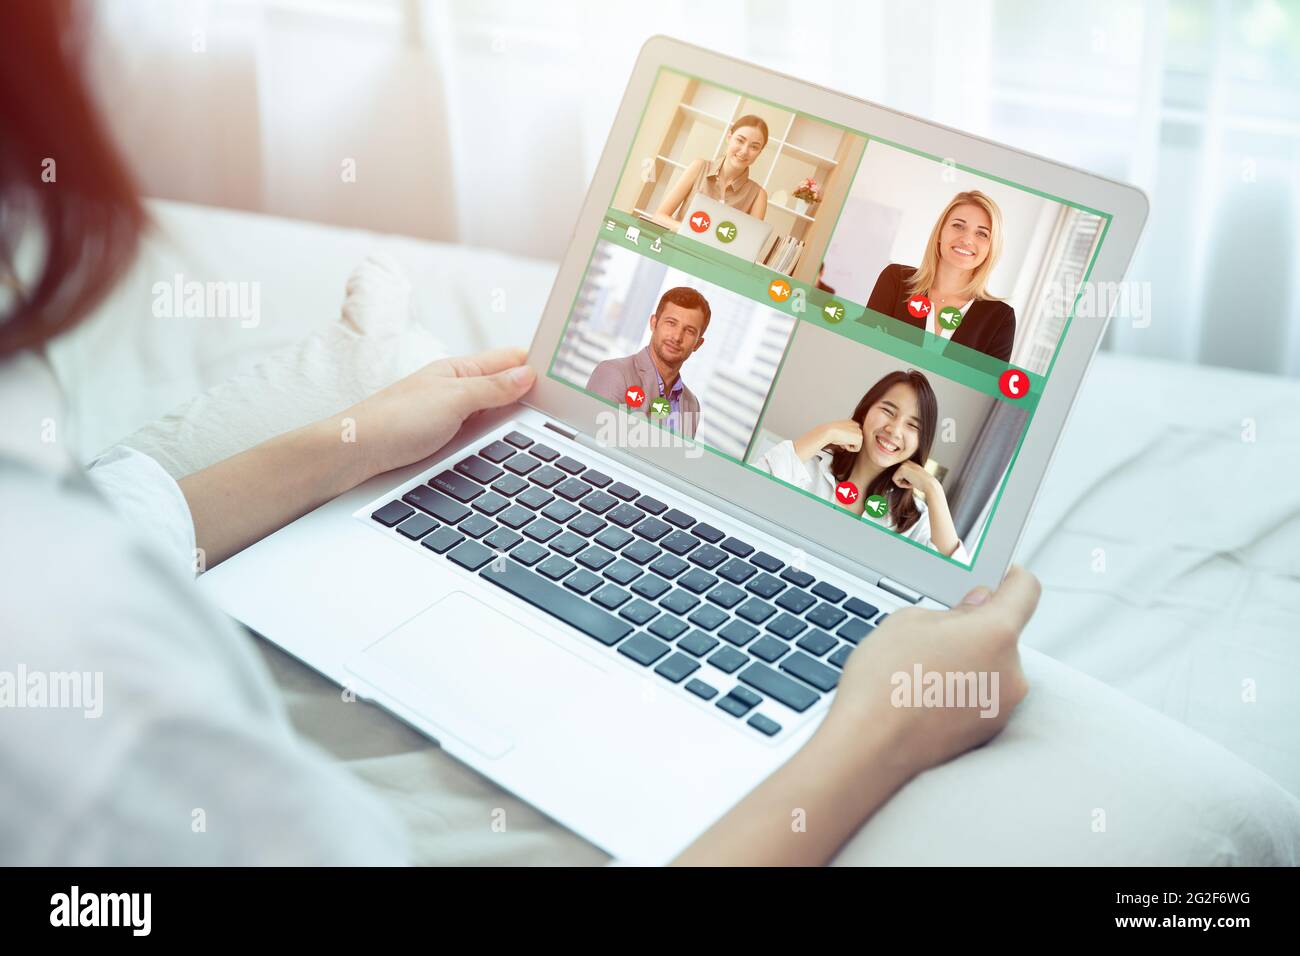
{"x":806,"y":195}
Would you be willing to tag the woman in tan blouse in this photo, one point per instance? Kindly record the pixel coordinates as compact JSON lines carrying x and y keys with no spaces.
{"x":725,"y":179}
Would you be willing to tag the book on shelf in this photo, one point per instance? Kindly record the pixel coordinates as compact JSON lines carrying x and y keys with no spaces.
{"x":784,"y":255}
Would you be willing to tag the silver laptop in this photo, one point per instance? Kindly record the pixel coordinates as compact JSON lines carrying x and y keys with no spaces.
{"x":628,"y":629}
{"x":724,"y":227}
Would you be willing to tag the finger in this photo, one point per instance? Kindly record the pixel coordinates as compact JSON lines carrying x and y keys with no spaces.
{"x":484,"y":363}
{"x":1015,"y":599}
{"x":974,"y":598}
{"x":492,"y":391}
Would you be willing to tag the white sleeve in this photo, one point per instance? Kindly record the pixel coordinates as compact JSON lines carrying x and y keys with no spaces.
{"x":920,"y":532}
{"x":782,"y":463}
{"x":148,"y":500}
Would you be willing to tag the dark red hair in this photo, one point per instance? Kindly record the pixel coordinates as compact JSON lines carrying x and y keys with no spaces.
{"x":61,"y":180}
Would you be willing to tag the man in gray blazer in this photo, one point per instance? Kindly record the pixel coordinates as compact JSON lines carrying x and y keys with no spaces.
{"x":651,"y":380}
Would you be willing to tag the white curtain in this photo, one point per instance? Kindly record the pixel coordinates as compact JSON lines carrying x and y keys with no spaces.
{"x":482,"y":120}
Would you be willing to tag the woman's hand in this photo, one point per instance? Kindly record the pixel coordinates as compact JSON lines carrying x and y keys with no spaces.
{"x":247,"y":496}
{"x":979,"y":635}
{"x":911,"y":475}
{"x":846,"y":434}
{"x":413,"y":418}
{"x":943,"y":532}
{"x":867,"y":747}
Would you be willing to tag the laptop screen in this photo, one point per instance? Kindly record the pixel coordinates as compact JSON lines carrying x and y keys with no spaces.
{"x":868,"y":325}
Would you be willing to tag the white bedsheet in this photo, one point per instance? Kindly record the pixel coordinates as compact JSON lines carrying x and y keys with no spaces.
{"x":1195,"y":611}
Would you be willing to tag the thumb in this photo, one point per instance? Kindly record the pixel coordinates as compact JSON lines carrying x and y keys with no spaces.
{"x":1014,"y":600}
{"x":492,"y":391}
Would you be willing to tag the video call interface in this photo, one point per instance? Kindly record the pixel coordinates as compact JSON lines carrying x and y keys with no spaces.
{"x":868,"y":325}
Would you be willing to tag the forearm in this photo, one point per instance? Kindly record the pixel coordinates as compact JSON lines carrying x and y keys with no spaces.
{"x":803,"y":813}
{"x":807,"y":445}
{"x":943,"y":532}
{"x":245,"y":497}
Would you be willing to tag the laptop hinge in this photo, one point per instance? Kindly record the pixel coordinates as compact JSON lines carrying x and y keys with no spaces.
{"x":898,"y":590}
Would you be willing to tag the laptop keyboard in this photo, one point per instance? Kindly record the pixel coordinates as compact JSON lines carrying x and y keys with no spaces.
{"x":699,"y":608}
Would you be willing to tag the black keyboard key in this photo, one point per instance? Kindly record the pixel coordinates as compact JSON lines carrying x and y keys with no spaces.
{"x":582,"y":581}
{"x":738,"y":633}
{"x":786,"y":626}
{"x":623,"y":492}
{"x":779,"y":687}
{"x":729,"y":660}
{"x":826,"y":615}
{"x":544,"y":452}
{"x":668,"y":566}
{"x":546,"y":476}
{"x":737,"y":547}
{"x":587,"y":525}
{"x":568,"y":544}
{"x":733,"y":706}
{"x":570,"y":465}
{"x":476,"y":526}
{"x":755,"y":611}
{"x":855,"y":630}
{"x":597,"y":478}
{"x":726,"y":595}
{"x":708,"y":533}
{"x":643,"y":648}
{"x":392,"y":513}
{"x":701,"y":689}
{"x":563,"y":604}
{"x":800,"y":579}
{"x":881,"y":620}
{"x":613,"y":538}
{"x":478,"y":469}
{"x":765,"y":561}
{"x":598,"y":502}
{"x":522,"y":464}
{"x":515,"y":517}
{"x":768,"y":648}
{"x":650,"y":586}
{"x":696,"y":642}
{"x":490,"y":503}
{"x":677,"y":668}
{"x":678,"y":518}
{"x":497,"y":452}
{"x":625,"y":516}
{"x":817,"y":643}
{"x":502,"y":539}
{"x":679,"y":602}
{"x":679,"y":542}
{"x":541,"y":530}
{"x":764,"y":725}
{"x":667,"y":627}
{"x":810,"y":671}
{"x":519,"y":439}
{"x":509,"y":485}
{"x":651,"y":505}
{"x":707,"y":556}
{"x":535,"y":498}
{"x":559,"y":511}
{"x":555,"y":567}
{"x":595,"y":558}
{"x":829,"y":592}
{"x":471,"y":555}
{"x":737,"y":571}
{"x":443,"y":540}
{"x":707,"y":617}
{"x":416,"y":526}
{"x":642,"y":552}
{"x":652,"y":529}
{"x":572,"y":489}
{"x":458,"y":486}
{"x":697,"y":580}
{"x":861,"y":608}
{"x":623,"y":572}
{"x":746,"y":696}
{"x":529,"y":553}
{"x":796,"y":601}
{"x":766,"y":586}
{"x":436,"y":504}
{"x":840,"y":657}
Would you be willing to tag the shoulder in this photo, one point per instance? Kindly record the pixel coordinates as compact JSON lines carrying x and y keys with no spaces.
{"x":614,"y":367}
{"x":895,"y":274}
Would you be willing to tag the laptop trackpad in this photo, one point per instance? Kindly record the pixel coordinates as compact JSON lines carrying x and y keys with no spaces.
{"x":455,"y":658}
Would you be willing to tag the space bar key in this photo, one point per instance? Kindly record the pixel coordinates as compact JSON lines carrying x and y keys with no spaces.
{"x":554,"y":600}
